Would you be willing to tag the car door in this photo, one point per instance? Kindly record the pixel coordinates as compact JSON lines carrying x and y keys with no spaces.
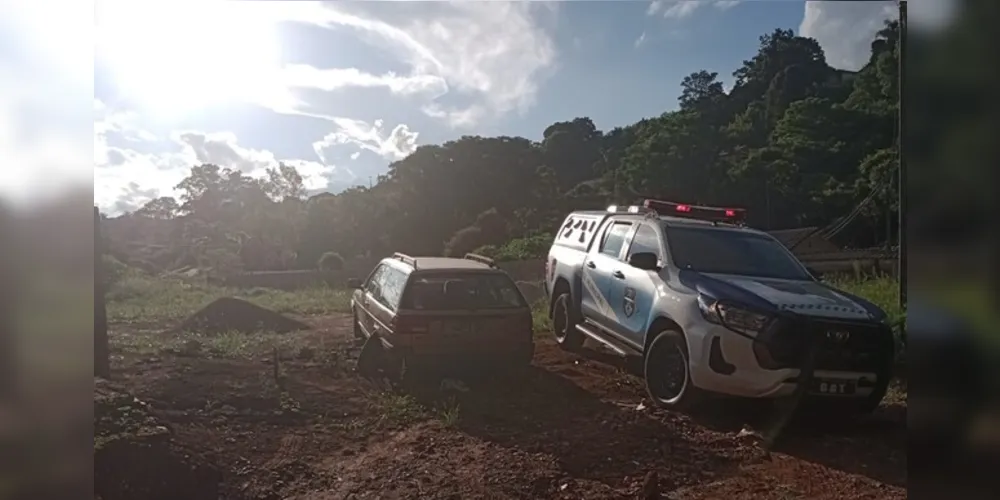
{"x":391,"y":285}
{"x":633,"y":289}
{"x":371,"y":293}
{"x":597,"y":268}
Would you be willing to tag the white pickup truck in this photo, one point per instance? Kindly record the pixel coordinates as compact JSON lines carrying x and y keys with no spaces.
{"x":712,"y":306}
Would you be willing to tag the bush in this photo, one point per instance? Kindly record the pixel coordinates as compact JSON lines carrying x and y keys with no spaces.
{"x":530,"y":247}
{"x":331,"y":261}
{"x":113,"y":270}
{"x":464,"y":241}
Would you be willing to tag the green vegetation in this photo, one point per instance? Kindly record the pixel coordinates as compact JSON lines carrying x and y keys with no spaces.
{"x":531,"y":247}
{"x":883,"y":292}
{"x":142,"y":298}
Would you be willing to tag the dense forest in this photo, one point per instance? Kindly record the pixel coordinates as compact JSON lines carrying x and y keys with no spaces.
{"x":796,"y":142}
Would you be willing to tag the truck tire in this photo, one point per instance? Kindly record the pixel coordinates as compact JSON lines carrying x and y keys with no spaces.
{"x":667,"y":372}
{"x":564,"y":321}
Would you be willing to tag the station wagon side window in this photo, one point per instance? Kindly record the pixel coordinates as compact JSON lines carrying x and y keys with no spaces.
{"x":373,"y":286}
{"x":393,"y":282}
{"x":614,"y":238}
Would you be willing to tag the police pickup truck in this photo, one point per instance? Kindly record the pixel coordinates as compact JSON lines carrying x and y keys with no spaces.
{"x":712,"y":307}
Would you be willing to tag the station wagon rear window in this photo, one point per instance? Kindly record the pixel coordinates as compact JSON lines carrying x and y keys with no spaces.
{"x":461,"y":291}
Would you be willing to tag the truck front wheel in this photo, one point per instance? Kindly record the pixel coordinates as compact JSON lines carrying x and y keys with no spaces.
{"x":667,"y":372}
{"x":564,"y":322}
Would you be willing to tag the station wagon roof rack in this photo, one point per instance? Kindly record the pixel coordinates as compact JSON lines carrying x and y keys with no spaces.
{"x":405,"y":259}
{"x":715,"y":215}
{"x":481,"y":259}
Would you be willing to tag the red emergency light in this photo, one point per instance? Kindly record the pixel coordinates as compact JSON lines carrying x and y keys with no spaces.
{"x":714,"y":214}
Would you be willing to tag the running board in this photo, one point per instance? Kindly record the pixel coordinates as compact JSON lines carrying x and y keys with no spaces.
{"x":585,"y":329}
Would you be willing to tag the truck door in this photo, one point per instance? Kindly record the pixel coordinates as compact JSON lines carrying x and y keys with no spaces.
{"x":597,"y":268}
{"x":632,"y":289}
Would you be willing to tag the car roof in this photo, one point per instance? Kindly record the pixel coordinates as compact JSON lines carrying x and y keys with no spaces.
{"x":445,"y":264}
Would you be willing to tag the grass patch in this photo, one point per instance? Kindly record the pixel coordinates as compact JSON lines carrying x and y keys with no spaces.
{"x":228,"y":345}
{"x":883,"y":292}
{"x":145,"y":299}
{"x":540,"y":317}
{"x":449,"y":412}
{"x":395,"y":408}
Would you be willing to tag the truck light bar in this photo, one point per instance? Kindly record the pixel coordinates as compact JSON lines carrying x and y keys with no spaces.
{"x":634,"y":209}
{"x":714,"y":214}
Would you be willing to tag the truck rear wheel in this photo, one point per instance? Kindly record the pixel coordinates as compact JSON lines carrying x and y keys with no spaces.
{"x":564,"y":322}
{"x":668,"y":374}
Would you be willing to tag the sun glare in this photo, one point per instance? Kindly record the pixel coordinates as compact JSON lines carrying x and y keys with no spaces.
{"x":178,"y":57}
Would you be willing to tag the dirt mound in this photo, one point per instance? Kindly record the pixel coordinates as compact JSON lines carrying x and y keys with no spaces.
{"x":229,"y":314}
{"x":135,"y":458}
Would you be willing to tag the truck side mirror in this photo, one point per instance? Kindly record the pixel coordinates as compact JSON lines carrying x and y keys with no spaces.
{"x":647,"y":261}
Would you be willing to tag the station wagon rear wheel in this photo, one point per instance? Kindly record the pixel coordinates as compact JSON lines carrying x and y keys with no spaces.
{"x":564,"y":323}
{"x":667,"y":372}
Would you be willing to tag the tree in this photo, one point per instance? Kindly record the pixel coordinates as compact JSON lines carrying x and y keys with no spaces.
{"x":700,"y":89}
{"x":162,"y":208}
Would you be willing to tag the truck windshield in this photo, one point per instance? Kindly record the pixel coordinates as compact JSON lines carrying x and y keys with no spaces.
{"x":460,"y":291}
{"x":722,"y":251}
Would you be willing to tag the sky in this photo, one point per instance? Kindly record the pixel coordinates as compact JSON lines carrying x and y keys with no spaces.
{"x":342,"y":89}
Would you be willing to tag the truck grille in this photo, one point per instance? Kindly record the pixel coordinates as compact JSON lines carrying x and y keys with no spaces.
{"x":844,"y":346}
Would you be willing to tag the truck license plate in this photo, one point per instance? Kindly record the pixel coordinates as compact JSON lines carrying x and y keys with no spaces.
{"x":833,"y":387}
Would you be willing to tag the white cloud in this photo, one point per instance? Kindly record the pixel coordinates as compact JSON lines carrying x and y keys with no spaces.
{"x":845,"y":30}
{"x":680,"y":9}
{"x":673,"y":9}
{"x":641,"y":40}
{"x":305,"y":76}
{"x":355,"y":155}
{"x":395,"y":145}
{"x":495,"y":53}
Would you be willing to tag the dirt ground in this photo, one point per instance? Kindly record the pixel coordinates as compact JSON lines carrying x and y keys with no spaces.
{"x":310,"y":428}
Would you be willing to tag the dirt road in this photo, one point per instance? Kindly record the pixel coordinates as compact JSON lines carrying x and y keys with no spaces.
{"x":577,"y":428}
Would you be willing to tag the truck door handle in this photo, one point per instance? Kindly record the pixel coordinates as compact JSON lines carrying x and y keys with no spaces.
{"x":618,"y":274}
{"x":591,"y":264}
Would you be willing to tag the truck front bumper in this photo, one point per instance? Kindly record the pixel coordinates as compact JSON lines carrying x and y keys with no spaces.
{"x":727,"y":363}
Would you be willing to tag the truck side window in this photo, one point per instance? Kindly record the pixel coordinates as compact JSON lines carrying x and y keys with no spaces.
{"x":645,"y":240}
{"x":614,"y":239}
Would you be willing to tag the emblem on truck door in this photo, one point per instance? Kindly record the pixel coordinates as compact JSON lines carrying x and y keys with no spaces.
{"x":628,"y":302}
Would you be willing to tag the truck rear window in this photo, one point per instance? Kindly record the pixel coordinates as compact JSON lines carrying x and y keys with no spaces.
{"x":461,"y":291}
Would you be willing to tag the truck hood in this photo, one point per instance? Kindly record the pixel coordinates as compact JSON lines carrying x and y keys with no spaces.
{"x":808,"y":298}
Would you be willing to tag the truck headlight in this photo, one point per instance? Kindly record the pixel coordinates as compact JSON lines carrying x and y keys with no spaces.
{"x":732,"y":317}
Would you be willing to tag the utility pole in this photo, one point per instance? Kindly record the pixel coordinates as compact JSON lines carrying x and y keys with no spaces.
{"x":902,"y":244}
